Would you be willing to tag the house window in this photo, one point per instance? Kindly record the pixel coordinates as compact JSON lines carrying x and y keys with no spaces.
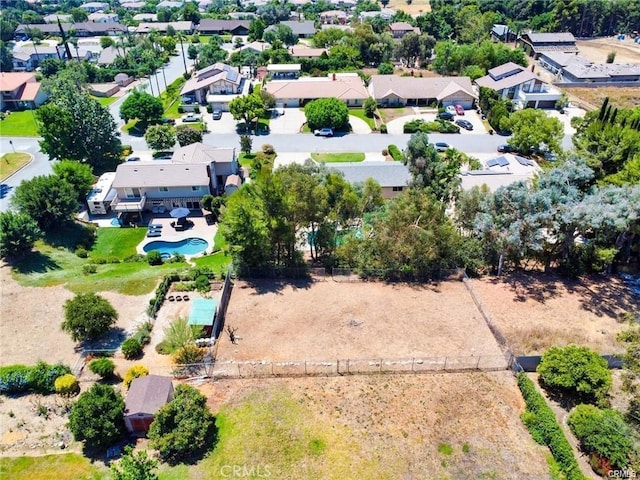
{"x":163,"y":189}
{"x":397,"y":189}
{"x":195,"y":189}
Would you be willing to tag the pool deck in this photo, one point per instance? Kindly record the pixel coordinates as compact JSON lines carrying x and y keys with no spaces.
{"x":200,"y":229}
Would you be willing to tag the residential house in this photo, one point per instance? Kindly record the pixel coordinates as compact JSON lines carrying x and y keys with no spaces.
{"x":101,"y":195}
{"x":28,"y":58}
{"x":217,"y":85}
{"x":91,"y":7}
{"x":303,"y":51}
{"x":537,"y":43}
{"x":345,"y":4}
{"x":20,"y":90}
{"x":132,"y":5}
{"x":502,"y":33}
{"x":221,"y":163}
{"x":400,"y":29}
{"x":241,"y":15}
{"x":145,"y":397}
{"x":108,"y":56}
{"x":522,"y":86}
{"x":345,"y":87}
{"x":333,"y":17}
{"x":209,"y":26}
{"x":170,"y":4}
{"x":500,"y":172}
{"x":384,"y":13}
{"x":55,"y":17}
{"x":556,"y":61}
{"x":284,"y":71}
{"x":570,"y":68}
{"x":184,"y":26}
{"x":392,"y":90}
{"x":103,"y":17}
{"x":255,"y":47}
{"x":301,"y":29}
{"x":393,"y":177}
{"x":22,"y":31}
{"x":146,"y":17}
{"x":97,"y":29}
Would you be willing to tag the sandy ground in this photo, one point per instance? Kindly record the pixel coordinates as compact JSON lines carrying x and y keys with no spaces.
{"x":401,"y":419}
{"x":537,"y":312}
{"x":358,"y":320}
{"x":597,"y":49}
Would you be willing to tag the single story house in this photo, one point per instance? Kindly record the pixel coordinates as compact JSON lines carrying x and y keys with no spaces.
{"x":210,"y":26}
{"x":145,"y":397}
{"x":55,"y":17}
{"x":295,"y":93}
{"x":556,"y":61}
{"x":255,"y":47}
{"x":303,"y":51}
{"x":108,"y":56}
{"x":28,"y":58}
{"x":216,"y":84}
{"x":392,"y":90}
{"x":393,"y":177}
{"x":101,"y":195}
{"x":284,"y":71}
{"x":170,"y":4}
{"x":333,"y":17}
{"x":91,"y":7}
{"x":571,"y":68}
{"x":132,"y":5}
{"x":400,"y":29}
{"x":500,"y":172}
{"x":185,"y":26}
{"x":537,"y":43}
{"x":20,"y":91}
{"x":502,"y":33}
{"x":384,"y":13}
{"x":146,"y":17}
{"x":513,"y":82}
{"x":103,"y":17}
{"x":301,"y":29}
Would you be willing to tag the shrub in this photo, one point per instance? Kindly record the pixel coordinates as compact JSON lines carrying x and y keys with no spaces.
{"x":89,"y":268}
{"x":245,"y":143}
{"x":385,"y":68}
{"x":188,"y":355}
{"x":88,"y":316}
{"x":541,"y":423}
{"x":326,"y":112}
{"x":162,"y":348}
{"x":413,"y":126}
{"x":177,"y":334}
{"x":383,"y":128}
{"x":40,"y":378}
{"x":81,"y":252}
{"x":154,"y":258}
{"x":103,"y":367}
{"x":131,"y":348}
{"x":133,"y":373}
{"x":576,"y":371}
{"x":143,"y":334}
{"x":67,"y":385}
{"x":268,"y":149}
{"x":202,"y":284}
{"x":369,"y":107}
{"x":395,"y":153}
{"x":604,"y":433}
{"x":209,"y":108}
{"x":127,"y":150}
{"x":180,"y":109}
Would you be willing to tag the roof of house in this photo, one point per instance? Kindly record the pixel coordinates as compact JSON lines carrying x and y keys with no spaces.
{"x":256,"y":46}
{"x":148,"y":394}
{"x":169,"y":4}
{"x":563,"y":59}
{"x":53,"y":18}
{"x":304,"y":51}
{"x":305,"y":27}
{"x":500,"y":29}
{"x":603,"y":70}
{"x":498,"y":78}
{"x":146,"y":17}
{"x":342,"y":88}
{"x":25,"y":53}
{"x":108,"y":55}
{"x":284,"y":67}
{"x":401,"y":27}
{"x":387,"y":174}
{"x":94,"y":5}
{"x":210,"y":24}
{"x":333,"y":13}
{"x":555,"y":37}
{"x":100,"y":16}
{"x":159,"y":173}
{"x":199,"y":153}
{"x":181,"y":26}
{"x":132,"y":5}
{"x":211,"y":74}
{"x":501,"y":171}
{"x":233,"y":180}
{"x":382,"y":86}
{"x":505,"y":69}
{"x":30,"y":91}
{"x":9,"y":81}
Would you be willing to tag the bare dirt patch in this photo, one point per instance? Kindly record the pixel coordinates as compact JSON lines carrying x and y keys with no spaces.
{"x":400,"y":421}
{"x":597,"y":49}
{"x":331,"y":320}
{"x":413,"y":8}
{"x":621,"y":97}
{"x":535,"y":312}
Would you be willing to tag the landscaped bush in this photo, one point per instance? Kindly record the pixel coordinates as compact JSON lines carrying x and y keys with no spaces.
{"x":133,"y":373}
{"x":89,"y":268}
{"x":154,"y":258}
{"x":143,"y":334}
{"x":395,"y":153}
{"x":383,"y":128}
{"x":177,"y":334}
{"x":40,"y":378}
{"x":131,"y":348}
{"x":542,"y":424}
{"x":67,"y":385}
{"x":202,"y":284}
{"x":440,"y":126}
{"x":188,"y":355}
{"x":81,"y":252}
{"x":413,"y":126}
{"x":103,"y":367}
{"x":138,"y":257}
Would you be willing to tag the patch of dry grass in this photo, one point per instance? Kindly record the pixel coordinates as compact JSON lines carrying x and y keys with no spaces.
{"x":622,"y":97}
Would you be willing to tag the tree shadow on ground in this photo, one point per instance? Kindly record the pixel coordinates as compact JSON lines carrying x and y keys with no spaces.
{"x":608,"y":296}
{"x":70,"y":235}
{"x":35,"y":262}
{"x":538,"y":287}
{"x":110,"y":341}
{"x":276,"y":285}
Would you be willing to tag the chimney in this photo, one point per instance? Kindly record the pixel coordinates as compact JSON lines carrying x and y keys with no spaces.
{"x":334,"y":77}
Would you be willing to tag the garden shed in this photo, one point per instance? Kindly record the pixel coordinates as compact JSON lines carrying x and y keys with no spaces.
{"x":203,"y":314}
{"x":146,"y":396}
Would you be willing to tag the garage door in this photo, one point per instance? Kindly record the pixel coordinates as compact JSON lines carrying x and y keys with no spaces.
{"x":466,"y":104}
{"x":291,"y":103}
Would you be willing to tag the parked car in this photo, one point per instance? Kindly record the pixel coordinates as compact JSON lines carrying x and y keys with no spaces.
{"x":466,"y":124}
{"x":506,"y":148}
{"x":133,"y":159}
{"x":168,"y":121}
{"x":459,"y":110}
{"x":191,"y":117}
{"x":323,"y":132}
{"x":216,"y":114}
{"x":446,"y":116}
{"x":451,"y":109}
{"x":442,"y":146}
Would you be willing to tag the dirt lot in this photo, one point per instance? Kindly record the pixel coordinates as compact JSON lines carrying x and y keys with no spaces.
{"x":397,"y":423}
{"x":331,"y":320}
{"x":597,"y":49}
{"x":417,"y":7}
{"x":622,"y":97}
{"x":537,"y":312}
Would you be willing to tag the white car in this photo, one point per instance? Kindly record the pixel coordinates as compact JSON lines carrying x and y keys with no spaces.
{"x":451,"y":109}
{"x":191,"y":117}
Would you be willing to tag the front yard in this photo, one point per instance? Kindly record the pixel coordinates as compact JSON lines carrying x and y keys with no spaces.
{"x":338,"y":157}
{"x":19,"y":124}
{"x":10,"y":162}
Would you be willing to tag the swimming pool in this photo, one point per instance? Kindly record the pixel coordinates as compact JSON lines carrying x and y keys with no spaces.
{"x":188,"y":246}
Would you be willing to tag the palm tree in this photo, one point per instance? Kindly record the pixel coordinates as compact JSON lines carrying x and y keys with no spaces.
{"x":182,"y":37}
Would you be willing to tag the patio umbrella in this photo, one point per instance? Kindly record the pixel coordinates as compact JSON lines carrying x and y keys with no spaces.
{"x":179,"y":212}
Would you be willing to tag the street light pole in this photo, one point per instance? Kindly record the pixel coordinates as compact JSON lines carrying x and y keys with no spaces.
{"x":12,"y":147}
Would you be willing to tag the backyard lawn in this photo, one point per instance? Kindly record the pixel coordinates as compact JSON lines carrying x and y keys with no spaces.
{"x":66,"y":466}
{"x":10,"y":162}
{"x":19,"y":124}
{"x":105,"y":101}
{"x":338,"y":157}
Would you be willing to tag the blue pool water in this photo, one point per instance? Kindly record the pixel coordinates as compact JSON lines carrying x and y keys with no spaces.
{"x":115,"y":222}
{"x":188,"y":246}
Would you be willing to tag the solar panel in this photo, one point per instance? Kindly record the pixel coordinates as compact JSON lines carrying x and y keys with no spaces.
{"x":492,"y":163}
{"x":503,"y":162}
{"x":232,"y":75}
{"x":524,"y":161}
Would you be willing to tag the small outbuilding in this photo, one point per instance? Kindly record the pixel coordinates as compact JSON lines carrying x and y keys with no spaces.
{"x":146,"y":396}
{"x":203,"y":314}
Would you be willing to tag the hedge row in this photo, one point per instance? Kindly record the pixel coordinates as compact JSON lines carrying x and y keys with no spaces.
{"x":40,"y":378}
{"x":395,"y":153}
{"x":439,"y":126}
{"x":542,"y":424}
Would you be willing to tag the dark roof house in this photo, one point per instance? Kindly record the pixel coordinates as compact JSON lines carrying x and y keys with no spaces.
{"x":210,"y":26}
{"x":536,"y":43}
{"x":302,"y":29}
{"x":145,"y":397}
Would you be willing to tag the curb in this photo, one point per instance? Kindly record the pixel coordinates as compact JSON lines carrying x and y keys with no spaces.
{"x":2,"y":180}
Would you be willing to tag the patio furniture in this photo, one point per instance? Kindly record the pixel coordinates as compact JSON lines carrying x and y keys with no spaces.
{"x":171,"y":298}
{"x":155,"y":225}
{"x":178,"y":298}
{"x":154,"y":233}
{"x":185,"y":298}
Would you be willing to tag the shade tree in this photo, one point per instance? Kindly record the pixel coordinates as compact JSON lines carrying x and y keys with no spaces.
{"x":88,"y":316}
{"x":48,"y":200}
{"x":326,"y":112}
{"x":142,"y":106}
{"x":18,"y":233}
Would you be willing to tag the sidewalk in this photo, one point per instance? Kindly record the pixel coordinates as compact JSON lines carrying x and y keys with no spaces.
{"x":287,"y":158}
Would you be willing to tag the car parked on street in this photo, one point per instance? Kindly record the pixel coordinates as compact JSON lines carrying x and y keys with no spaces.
{"x":191,"y":117}
{"x":216,"y":114}
{"x":506,"y":148}
{"x":446,"y":116}
{"x":442,"y":146}
{"x":466,"y":124}
{"x":168,"y":121}
{"x":459,"y":110}
{"x":323,"y":132}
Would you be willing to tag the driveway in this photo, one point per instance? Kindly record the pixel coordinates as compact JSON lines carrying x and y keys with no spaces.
{"x":225,"y":125}
{"x":473,"y":117}
{"x":290,"y":122}
{"x":394,"y":127}
{"x":566,"y":117}
{"x":358,"y":126}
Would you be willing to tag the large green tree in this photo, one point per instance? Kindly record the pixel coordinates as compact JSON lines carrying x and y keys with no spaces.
{"x":532,"y":129}
{"x":187,"y":135}
{"x":49,"y":200}
{"x":134,"y":466}
{"x":160,"y":137}
{"x":78,"y":175}
{"x":76,"y":127}
{"x":97,"y":417}
{"x":142,"y":106}
{"x":88,"y":316}
{"x":183,"y":427}
{"x":18,"y":233}
{"x":247,"y":108}
{"x":326,"y":112}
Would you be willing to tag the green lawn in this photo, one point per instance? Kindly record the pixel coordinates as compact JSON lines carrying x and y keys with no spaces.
{"x":105,"y":101}
{"x":68,"y":466}
{"x":338,"y":157}
{"x":19,"y":124}
{"x":219,"y":261}
{"x":171,"y":98}
{"x":10,"y":162}
{"x":359,"y":113}
{"x":245,"y":159}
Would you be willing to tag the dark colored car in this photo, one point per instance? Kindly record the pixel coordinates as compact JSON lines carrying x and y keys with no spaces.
{"x":442,"y":146}
{"x":506,"y":148}
{"x":446,"y":116}
{"x":168,"y":121}
{"x":466,"y":124}
{"x":216,"y":114}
